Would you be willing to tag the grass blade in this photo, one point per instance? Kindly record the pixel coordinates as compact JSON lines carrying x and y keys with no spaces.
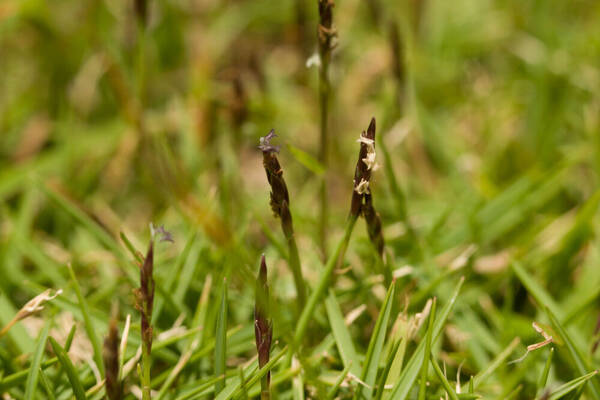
{"x":63,"y":358}
{"x":231,"y":390}
{"x":580,"y":365}
{"x":425,"y":366}
{"x":544,"y":377}
{"x":409,"y":374}
{"x":451,"y":393}
{"x":338,"y":382}
{"x":571,"y":385}
{"x":34,"y":370}
{"x":221,"y":340}
{"x":342,"y":336}
{"x":371,"y":365}
{"x":496,"y":362}
{"x":323,"y":283}
{"x":87,"y":320}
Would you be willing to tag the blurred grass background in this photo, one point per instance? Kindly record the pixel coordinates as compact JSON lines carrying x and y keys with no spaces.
{"x":490,"y":112}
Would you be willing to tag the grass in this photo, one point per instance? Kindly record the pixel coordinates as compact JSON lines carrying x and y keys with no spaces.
{"x":422,"y":282}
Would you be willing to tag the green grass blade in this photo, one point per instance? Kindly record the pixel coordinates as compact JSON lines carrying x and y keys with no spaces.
{"x":306,"y":159}
{"x":539,"y":294}
{"x":371,"y":365}
{"x":46,"y":384}
{"x":425,"y":366}
{"x":338,"y":382}
{"x":323,"y":283}
{"x":451,"y":393}
{"x":570,"y":386}
{"x":221,"y":340}
{"x":410,"y":373}
{"x":541,"y":384}
{"x":380,"y":389}
{"x":341,"y":334}
{"x":87,"y":320}
{"x":496,"y":363}
{"x":580,"y":365}
{"x":63,"y":358}
{"x":297,"y":382}
{"x":34,"y":370}
{"x":231,"y":390}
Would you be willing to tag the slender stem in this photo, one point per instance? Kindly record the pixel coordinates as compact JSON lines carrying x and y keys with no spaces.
{"x":325,"y":34}
{"x":296,"y":268}
{"x":145,"y":378}
{"x":324,"y":88}
{"x":334,"y":261}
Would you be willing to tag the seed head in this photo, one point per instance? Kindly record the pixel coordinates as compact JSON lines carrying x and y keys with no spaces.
{"x":263,"y":328}
{"x":364,"y":166}
{"x":326,"y":32}
{"x":280,"y":198}
{"x":111,"y":361}
{"x":147,"y":295}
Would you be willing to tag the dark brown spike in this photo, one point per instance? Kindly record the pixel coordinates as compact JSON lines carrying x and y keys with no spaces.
{"x":141,"y":11}
{"x":263,"y":328}
{"x":146,"y":294}
{"x":114,"y":388}
{"x":362,"y":172}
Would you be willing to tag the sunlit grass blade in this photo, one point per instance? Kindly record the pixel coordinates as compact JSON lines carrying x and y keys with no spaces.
{"x":371,"y":364}
{"x":425,"y":366}
{"x":87,"y":320}
{"x":34,"y":369}
{"x":570,"y":386}
{"x":580,"y":365}
{"x":342,"y":336}
{"x":65,"y":361}
{"x":411,"y":371}
{"x":221,"y":340}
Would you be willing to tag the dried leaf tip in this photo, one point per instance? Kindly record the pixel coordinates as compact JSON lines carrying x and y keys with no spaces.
{"x":31,"y":307}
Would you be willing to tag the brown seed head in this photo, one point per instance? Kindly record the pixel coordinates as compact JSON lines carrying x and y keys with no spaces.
{"x":326,"y":32}
{"x":141,"y":11}
{"x":280,"y":198}
{"x":362,"y":172}
{"x":146,"y":295}
{"x":263,"y":328}
{"x":111,"y":362}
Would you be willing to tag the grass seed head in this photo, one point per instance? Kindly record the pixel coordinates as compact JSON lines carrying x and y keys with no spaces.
{"x":111,"y":361}
{"x":263,"y":328}
{"x":280,"y":198}
{"x":326,"y":32}
{"x":364,"y":166}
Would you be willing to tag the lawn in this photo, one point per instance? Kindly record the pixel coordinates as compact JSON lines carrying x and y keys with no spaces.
{"x":299,"y":199}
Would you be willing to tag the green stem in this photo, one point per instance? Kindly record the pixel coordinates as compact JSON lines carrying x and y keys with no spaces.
{"x":324,"y":93}
{"x":333,"y":262}
{"x":146,"y":360}
{"x":296,"y":268}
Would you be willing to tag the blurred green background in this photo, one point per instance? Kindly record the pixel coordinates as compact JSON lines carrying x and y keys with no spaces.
{"x":489,"y":110}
